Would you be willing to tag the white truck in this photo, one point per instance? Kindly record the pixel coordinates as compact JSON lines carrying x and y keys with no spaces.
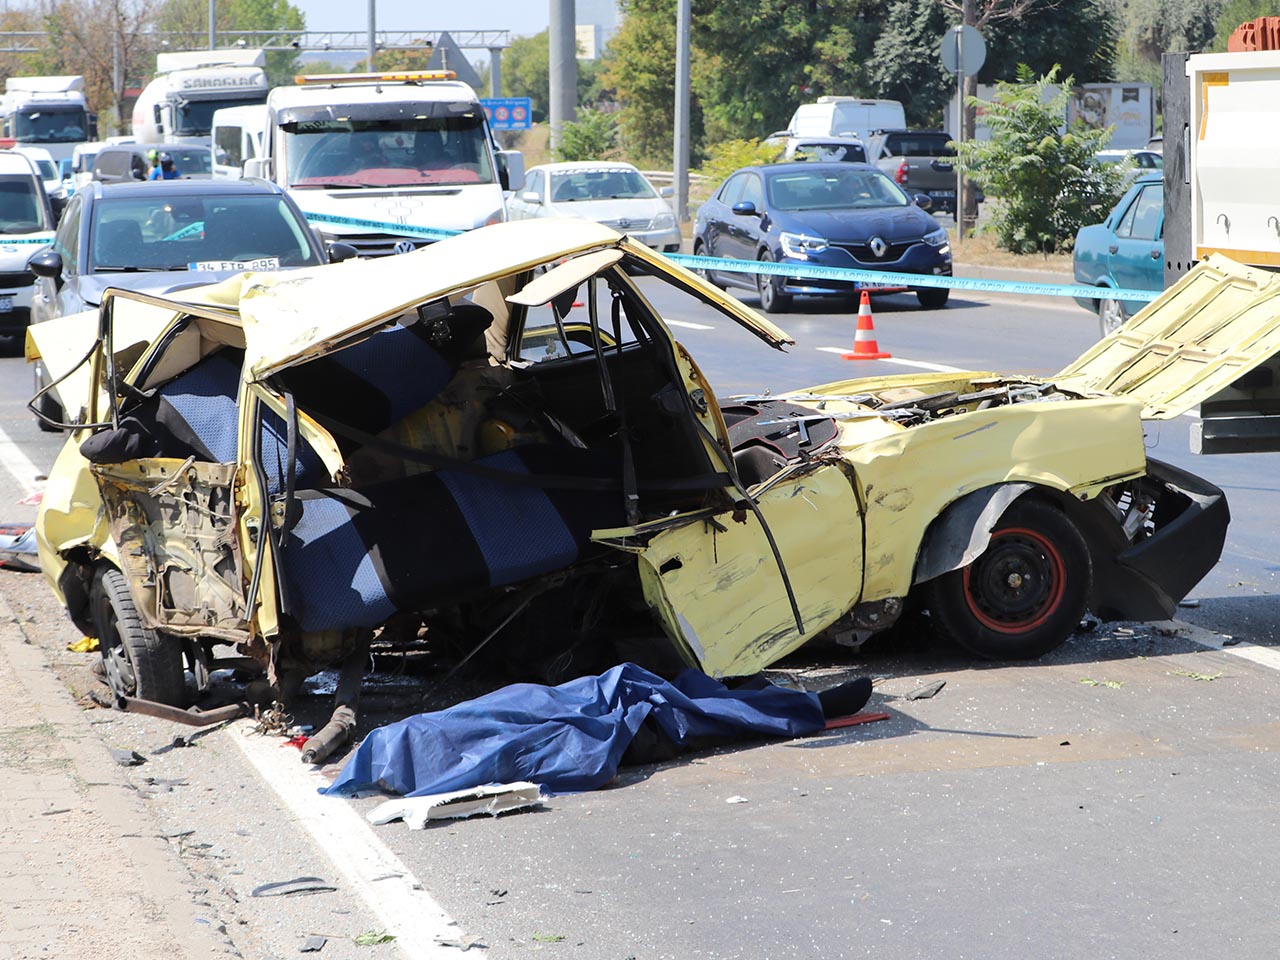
{"x":48,"y":112}
{"x":1222,"y":196}
{"x":371,"y":157}
{"x":179,"y":102}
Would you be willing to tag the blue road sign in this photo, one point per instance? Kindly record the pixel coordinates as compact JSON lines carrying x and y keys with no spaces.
{"x":508,"y":113}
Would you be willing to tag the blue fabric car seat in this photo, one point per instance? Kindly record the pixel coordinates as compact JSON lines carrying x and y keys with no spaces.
{"x":354,"y":558}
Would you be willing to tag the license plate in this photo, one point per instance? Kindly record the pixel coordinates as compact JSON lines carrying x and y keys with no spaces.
{"x":213,"y":266}
{"x":6,"y":303}
{"x":944,"y":194}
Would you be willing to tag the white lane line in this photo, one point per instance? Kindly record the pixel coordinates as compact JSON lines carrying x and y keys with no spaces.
{"x":687,"y":324}
{"x":18,"y":463}
{"x":938,"y":367}
{"x":376,"y":874}
{"x":1264,"y":656}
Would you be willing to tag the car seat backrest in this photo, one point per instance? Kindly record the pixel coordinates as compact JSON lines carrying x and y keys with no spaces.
{"x":118,"y":242}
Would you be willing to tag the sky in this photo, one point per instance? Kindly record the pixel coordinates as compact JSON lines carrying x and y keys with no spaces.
{"x":521,"y":18}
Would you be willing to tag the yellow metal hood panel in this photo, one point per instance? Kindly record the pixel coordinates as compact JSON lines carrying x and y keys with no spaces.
{"x":1218,"y":322}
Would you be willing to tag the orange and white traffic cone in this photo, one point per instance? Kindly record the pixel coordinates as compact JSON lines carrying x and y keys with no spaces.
{"x":864,"y":338}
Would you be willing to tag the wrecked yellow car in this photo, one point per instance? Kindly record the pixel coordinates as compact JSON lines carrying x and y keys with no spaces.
{"x":498,"y":437}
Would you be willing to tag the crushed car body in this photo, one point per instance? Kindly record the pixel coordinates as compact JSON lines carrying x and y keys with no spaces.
{"x":498,"y":436}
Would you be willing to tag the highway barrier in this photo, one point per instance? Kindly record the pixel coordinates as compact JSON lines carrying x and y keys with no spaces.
{"x":806,"y":271}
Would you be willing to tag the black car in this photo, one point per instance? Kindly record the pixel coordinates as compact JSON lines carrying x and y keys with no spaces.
{"x":162,"y":236}
{"x":825,"y":214}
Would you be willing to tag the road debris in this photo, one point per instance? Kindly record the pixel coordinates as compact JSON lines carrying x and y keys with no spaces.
{"x":18,"y":547}
{"x":83,"y":645}
{"x":127,"y":758}
{"x":464,"y":941}
{"x":489,"y":800}
{"x":371,"y":938}
{"x":299,"y":885}
{"x":1196,"y":676}
{"x":313,"y":945}
{"x":737,"y":800}
{"x":1111,"y":684}
{"x":927,"y":691}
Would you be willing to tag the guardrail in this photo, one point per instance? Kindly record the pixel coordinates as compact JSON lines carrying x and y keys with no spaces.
{"x":806,"y":271}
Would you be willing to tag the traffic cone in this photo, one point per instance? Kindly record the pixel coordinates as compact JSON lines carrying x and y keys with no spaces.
{"x":864,"y":338}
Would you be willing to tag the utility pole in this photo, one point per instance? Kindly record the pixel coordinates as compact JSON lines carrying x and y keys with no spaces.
{"x":967,"y":212}
{"x":564,"y":67}
{"x":213,"y":27}
{"x":495,"y":71}
{"x":373,"y":33}
{"x":681,"y":139}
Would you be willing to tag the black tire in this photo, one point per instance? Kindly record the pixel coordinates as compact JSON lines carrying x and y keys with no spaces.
{"x":772,"y":299}
{"x":933,"y":298}
{"x":1024,"y":595}
{"x":700,"y":251}
{"x":139,"y":662}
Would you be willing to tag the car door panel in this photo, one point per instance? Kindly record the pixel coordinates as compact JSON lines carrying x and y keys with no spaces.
{"x":717,"y":588}
{"x":1137,"y":260}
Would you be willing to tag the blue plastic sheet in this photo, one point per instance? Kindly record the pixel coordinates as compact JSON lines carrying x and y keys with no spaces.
{"x":567,"y":738}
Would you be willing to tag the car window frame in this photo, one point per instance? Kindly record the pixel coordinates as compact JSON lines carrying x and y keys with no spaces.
{"x":736,"y":182}
{"x":1145,"y":198}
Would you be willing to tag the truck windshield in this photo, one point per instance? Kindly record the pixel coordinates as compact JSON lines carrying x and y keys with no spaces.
{"x":20,"y":207}
{"x":50,"y":125}
{"x":195,"y":117}
{"x":399,"y":152}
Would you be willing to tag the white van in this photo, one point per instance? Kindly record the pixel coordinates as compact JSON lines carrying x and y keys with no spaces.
{"x":238,"y":134}
{"x":847,"y":117}
{"x":26,"y":225}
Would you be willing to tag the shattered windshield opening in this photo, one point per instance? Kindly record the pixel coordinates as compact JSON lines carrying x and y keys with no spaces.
{"x":391,"y":152}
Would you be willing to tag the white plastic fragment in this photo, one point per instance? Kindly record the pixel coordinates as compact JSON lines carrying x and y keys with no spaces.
{"x":491,"y":799}
{"x":737,"y":800}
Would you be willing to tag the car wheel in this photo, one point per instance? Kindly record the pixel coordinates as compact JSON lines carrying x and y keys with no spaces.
{"x":1024,"y":594}
{"x":933,"y":298}
{"x":772,"y":299}
{"x":138,"y":662}
{"x":1111,"y":316}
{"x":700,"y":251}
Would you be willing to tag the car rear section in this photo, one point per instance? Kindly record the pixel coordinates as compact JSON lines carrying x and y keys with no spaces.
{"x":919,"y":161}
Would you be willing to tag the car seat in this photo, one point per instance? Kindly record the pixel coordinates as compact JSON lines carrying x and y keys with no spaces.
{"x":118,"y":242}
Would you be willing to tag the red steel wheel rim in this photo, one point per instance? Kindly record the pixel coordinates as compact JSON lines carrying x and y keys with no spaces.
{"x":1050,"y":567}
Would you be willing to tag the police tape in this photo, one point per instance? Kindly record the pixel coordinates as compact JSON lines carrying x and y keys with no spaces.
{"x":805,"y":271}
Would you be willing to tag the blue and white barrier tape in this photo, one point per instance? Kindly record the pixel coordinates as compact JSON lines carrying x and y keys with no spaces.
{"x":801,"y":271}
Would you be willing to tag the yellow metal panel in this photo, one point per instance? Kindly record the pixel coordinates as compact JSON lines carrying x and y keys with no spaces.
{"x":720,"y":594}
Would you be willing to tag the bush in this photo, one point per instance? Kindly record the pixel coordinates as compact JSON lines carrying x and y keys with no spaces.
{"x":592,"y":136}
{"x":728,"y":155}
{"x":1049,"y":183}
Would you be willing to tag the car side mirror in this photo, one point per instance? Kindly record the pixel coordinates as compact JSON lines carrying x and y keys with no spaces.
{"x":745,"y":208}
{"x":339,"y":251}
{"x":511,"y":169}
{"x":667,"y":192}
{"x":47,"y":263}
{"x":923,"y":201}
{"x":531,"y":196}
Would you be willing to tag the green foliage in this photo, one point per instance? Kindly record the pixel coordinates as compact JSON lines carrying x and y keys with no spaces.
{"x":191,"y":17}
{"x":1237,"y":12}
{"x":1083,"y":33}
{"x":1049,"y":184}
{"x":526,"y":72}
{"x":593,"y":136}
{"x":905,"y":65}
{"x":1148,"y":28}
{"x":729,"y":155}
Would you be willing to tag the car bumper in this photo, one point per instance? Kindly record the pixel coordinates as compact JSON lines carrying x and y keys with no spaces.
{"x":1147,"y":579}
{"x":663,"y":241}
{"x":15,"y":308}
{"x":926,"y":262}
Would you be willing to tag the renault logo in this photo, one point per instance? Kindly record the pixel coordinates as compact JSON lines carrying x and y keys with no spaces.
{"x":878,"y":246}
{"x":404,"y":246}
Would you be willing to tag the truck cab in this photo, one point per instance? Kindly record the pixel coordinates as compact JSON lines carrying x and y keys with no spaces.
{"x":189,"y":87}
{"x":387,"y":162}
{"x":47,"y":112}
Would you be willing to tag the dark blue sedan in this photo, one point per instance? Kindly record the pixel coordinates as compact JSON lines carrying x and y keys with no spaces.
{"x":827,"y":214}
{"x":1124,"y":251}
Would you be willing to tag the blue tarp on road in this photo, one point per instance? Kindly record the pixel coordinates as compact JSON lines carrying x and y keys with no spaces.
{"x":567,"y":738}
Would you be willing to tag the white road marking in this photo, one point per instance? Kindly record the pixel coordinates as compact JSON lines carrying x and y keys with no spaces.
{"x":18,"y":464}
{"x":687,"y":324}
{"x":1264,"y":656}
{"x":376,"y":874}
{"x":938,"y":367}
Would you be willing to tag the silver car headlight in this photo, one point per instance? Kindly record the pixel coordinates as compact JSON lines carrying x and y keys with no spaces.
{"x":799,"y":246}
{"x":936,"y":238}
{"x":664,"y":221}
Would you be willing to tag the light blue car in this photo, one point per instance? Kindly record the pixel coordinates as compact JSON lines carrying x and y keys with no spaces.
{"x":1125,"y":251}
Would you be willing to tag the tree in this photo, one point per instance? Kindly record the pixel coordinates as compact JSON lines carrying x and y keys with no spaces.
{"x":1049,"y":183}
{"x":190,"y":20}
{"x":1148,"y":28}
{"x":526,"y":72}
{"x":593,"y":136}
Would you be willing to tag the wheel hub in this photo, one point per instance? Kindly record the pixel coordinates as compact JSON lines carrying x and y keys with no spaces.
{"x":1013,"y":582}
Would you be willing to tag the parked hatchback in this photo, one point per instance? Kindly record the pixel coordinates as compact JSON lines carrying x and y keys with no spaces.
{"x":1125,"y":251}
{"x":827,"y":214}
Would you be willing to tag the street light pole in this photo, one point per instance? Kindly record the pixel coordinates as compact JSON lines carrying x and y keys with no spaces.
{"x":681,"y":140}
{"x":213,"y":26}
{"x":373,"y":33}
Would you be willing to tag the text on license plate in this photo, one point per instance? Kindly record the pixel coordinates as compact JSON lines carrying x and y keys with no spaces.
{"x":942,"y":193}
{"x":6,"y":303}
{"x":262,"y":263}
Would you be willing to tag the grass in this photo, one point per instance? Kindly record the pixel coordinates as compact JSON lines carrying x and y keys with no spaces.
{"x":982,"y":249}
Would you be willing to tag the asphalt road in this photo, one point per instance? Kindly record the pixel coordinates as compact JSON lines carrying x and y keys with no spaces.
{"x":1115,"y":799}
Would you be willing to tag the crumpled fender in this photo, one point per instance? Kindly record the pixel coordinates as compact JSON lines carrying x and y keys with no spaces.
{"x":962,"y":531}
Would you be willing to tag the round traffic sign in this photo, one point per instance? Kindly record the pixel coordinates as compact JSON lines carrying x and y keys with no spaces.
{"x":963,"y":47}
{"x":517,"y":113}
{"x":501,"y":113}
